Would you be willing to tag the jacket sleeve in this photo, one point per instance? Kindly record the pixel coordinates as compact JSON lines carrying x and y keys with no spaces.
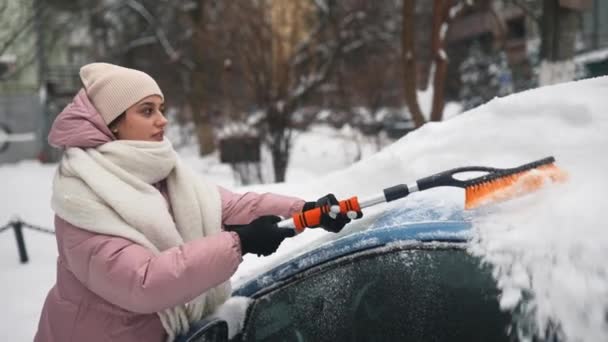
{"x":132,"y":277}
{"x":244,"y":208}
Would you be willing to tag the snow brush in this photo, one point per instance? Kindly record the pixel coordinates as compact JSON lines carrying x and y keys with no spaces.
{"x":496,"y":185}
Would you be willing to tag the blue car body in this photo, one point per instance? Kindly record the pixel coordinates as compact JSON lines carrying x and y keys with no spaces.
{"x":454,"y":231}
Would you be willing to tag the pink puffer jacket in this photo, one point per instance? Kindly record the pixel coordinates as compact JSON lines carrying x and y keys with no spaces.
{"x":109,"y":288}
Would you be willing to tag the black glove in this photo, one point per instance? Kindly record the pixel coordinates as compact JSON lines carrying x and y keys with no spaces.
{"x":261,"y":236}
{"x":327,"y":222}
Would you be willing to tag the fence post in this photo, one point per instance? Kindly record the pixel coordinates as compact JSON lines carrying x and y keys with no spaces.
{"x":18,"y":228}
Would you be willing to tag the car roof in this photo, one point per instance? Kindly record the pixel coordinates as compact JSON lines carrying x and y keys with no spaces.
{"x":452,"y":231}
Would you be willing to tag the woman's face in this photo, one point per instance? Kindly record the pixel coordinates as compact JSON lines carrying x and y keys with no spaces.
{"x":143,"y":121}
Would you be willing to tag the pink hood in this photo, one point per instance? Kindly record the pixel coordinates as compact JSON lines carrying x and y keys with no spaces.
{"x":79,"y":125}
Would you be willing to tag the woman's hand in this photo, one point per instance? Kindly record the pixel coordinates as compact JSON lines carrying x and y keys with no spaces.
{"x":330,"y":221}
{"x":261,"y":236}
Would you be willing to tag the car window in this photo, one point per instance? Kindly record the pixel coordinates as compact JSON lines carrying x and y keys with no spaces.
{"x":422,"y":294}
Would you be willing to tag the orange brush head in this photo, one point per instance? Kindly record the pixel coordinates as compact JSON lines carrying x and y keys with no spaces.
{"x":512,"y":185}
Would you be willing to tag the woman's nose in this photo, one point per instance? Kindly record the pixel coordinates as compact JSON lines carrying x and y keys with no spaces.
{"x":162,"y":121}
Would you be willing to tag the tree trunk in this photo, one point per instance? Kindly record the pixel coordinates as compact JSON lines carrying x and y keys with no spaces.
{"x":199,"y":80}
{"x":204,"y":128}
{"x":559,"y":28}
{"x":409,"y":63}
{"x":279,"y":163}
{"x":206,"y":142}
{"x":423,"y":33}
{"x":440,"y":12}
{"x":279,"y":140}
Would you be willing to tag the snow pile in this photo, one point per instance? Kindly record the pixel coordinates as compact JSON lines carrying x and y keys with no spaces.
{"x":548,"y":247}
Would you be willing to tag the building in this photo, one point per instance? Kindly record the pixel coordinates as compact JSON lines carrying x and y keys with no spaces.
{"x":39,"y":66}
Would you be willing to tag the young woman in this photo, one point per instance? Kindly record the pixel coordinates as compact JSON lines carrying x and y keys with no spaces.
{"x":142,"y":250}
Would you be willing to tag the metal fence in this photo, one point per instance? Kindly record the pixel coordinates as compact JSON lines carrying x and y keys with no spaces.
{"x":17,"y":225}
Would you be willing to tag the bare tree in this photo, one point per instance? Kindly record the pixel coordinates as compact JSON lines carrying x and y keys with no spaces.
{"x":443,"y":12}
{"x":284,"y":51}
{"x":22,"y":24}
{"x":159,"y":37}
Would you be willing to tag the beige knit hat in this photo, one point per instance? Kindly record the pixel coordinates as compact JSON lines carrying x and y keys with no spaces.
{"x":113,"y":89}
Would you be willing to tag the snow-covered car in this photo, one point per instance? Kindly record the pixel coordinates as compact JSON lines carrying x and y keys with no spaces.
{"x":405,"y":282}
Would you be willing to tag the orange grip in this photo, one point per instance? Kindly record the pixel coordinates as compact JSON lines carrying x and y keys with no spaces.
{"x":312,"y":217}
{"x":351,"y":204}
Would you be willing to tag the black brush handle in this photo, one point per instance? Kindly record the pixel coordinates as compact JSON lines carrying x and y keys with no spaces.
{"x":446,"y":178}
{"x":501,"y":173}
{"x":396,"y":192}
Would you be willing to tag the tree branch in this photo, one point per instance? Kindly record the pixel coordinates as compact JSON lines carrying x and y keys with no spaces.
{"x":528,"y":11}
{"x":160,"y":34}
{"x":19,"y":31}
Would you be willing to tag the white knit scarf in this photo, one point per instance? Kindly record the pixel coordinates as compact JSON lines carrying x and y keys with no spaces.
{"x":108,"y":190}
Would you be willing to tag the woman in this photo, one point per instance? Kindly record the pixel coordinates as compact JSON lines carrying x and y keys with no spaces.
{"x":141,"y":248}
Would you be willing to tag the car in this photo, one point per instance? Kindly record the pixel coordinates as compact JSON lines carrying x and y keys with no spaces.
{"x":409,"y":281}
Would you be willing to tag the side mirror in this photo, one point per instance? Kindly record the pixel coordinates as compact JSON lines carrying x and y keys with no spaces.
{"x":206,"y":330}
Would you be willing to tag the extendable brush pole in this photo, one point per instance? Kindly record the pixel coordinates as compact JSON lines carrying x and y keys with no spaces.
{"x":349,"y":207}
{"x":492,"y":186}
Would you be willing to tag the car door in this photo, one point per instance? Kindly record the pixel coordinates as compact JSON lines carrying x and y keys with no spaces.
{"x":401,"y":291}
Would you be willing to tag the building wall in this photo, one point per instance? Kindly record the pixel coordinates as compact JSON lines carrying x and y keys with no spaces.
{"x":19,"y":114}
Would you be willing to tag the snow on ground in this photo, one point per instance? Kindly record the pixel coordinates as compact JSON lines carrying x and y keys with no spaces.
{"x":549,"y":246}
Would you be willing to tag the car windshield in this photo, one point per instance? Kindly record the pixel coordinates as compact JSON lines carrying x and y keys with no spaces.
{"x":433,"y":292}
